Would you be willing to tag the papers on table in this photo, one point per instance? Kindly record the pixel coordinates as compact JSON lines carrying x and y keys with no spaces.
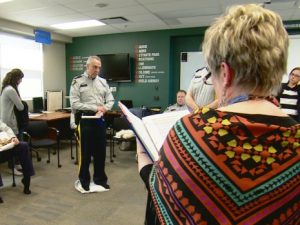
{"x":97,"y":116}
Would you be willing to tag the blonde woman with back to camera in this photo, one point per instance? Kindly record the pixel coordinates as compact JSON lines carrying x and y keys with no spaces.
{"x":239,"y":163}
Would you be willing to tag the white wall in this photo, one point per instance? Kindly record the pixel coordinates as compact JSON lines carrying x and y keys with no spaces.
{"x":293,"y":57}
{"x":194,"y":61}
{"x":54,"y":68}
{"x":54,"y":55}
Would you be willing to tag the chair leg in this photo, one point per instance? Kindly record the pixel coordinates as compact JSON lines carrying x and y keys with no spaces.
{"x":48,"y":160}
{"x":112,"y":149}
{"x":38,"y":158}
{"x":13,"y":172}
{"x":71,"y":144}
{"x":76,"y":149}
{"x":58,"y":156}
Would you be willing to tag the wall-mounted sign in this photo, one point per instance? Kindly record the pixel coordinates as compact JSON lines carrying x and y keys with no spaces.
{"x":42,"y":36}
{"x":146,"y":70}
{"x":77,"y":63}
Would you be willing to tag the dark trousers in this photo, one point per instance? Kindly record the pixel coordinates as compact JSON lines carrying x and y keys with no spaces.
{"x":16,"y":158}
{"x":93,"y":144}
{"x":21,"y":151}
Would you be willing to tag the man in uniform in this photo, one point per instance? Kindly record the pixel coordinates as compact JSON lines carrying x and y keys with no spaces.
{"x":180,"y":102}
{"x":90,"y":95}
{"x":201,"y":92}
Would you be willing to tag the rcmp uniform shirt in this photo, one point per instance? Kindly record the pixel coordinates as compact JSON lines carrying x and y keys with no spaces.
{"x":202,"y":94}
{"x":88,"y":94}
{"x":176,"y":107}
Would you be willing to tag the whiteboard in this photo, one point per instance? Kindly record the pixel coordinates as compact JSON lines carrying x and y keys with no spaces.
{"x":191,"y":62}
{"x":195,"y":60}
{"x":54,"y":100}
{"x":293,"y":56}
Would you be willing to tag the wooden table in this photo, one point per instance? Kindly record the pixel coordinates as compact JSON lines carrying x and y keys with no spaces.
{"x":59,"y":120}
{"x":51,"y":116}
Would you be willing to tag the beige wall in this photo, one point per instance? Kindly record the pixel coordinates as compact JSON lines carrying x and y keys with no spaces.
{"x":54,"y":67}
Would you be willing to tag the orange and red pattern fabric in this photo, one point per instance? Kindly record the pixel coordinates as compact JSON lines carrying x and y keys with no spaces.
{"x":222,"y":168}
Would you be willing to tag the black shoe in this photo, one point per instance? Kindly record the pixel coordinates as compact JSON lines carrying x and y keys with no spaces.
{"x":1,"y":201}
{"x":26,"y":183}
{"x":86,"y":187}
{"x":105,"y":185}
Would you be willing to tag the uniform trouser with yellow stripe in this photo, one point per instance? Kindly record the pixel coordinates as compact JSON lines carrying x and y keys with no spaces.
{"x":92,"y":136}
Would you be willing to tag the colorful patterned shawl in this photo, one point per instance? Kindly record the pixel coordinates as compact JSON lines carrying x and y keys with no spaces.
{"x":222,"y":168}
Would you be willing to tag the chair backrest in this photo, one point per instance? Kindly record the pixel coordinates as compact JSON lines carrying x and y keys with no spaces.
{"x":127,"y":103}
{"x":37,"y":129}
{"x":120,"y":123}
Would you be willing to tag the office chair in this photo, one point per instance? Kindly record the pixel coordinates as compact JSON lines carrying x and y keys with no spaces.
{"x":39,"y":135}
{"x":74,"y":138}
{"x":119,"y":123}
{"x":127,"y":103}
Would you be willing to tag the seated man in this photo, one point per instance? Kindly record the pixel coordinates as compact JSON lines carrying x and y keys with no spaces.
{"x":180,"y":103}
{"x":21,"y":150}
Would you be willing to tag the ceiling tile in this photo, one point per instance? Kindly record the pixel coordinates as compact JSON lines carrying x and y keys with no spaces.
{"x":141,"y":14}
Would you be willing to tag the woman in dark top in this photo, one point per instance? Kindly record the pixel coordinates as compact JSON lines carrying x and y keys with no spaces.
{"x":289,"y":95}
{"x":240,"y":163}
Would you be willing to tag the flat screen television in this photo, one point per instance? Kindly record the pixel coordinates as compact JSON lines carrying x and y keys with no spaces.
{"x":115,"y":67}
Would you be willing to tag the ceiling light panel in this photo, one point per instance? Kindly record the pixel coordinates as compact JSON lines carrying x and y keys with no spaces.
{"x":78,"y":24}
{"x":4,"y":1}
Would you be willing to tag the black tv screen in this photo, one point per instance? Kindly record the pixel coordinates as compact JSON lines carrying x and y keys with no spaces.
{"x":115,"y":67}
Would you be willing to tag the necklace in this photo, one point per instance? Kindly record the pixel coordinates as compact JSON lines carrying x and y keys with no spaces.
{"x":243,"y":98}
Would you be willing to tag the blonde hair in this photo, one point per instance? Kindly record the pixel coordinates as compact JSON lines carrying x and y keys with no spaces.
{"x":254,"y":43}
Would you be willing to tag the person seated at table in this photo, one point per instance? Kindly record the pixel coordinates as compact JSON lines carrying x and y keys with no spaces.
{"x":239,"y":163}
{"x":21,"y":150}
{"x":180,"y":102}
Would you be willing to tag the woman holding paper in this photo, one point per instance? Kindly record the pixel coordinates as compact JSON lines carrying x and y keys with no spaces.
{"x":240,"y":163}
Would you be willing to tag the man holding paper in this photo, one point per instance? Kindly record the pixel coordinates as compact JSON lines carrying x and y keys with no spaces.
{"x":90,"y":98}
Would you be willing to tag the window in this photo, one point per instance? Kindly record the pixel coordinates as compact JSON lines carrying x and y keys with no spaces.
{"x":27,"y":55}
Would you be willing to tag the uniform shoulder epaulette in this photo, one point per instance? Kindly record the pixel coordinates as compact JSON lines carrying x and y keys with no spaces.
{"x":75,"y":78}
{"x":78,"y":76}
{"x":200,"y":72}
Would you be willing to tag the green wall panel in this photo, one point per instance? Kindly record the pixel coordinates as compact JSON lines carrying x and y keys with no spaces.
{"x":167,"y":43}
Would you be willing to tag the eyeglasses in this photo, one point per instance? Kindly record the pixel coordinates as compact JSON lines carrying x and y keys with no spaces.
{"x":295,"y":75}
{"x":207,"y":77}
